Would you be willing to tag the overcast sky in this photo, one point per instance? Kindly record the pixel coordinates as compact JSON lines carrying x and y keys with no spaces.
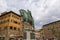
{"x":43,"y":11}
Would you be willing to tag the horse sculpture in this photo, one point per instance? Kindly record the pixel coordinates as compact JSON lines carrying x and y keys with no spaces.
{"x":27,"y":16}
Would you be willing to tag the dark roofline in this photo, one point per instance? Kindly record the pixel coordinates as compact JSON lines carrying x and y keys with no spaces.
{"x":10,"y":12}
{"x":52,"y":22}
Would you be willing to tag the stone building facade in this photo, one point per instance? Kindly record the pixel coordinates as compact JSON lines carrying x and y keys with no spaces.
{"x":39,"y":34}
{"x":29,"y":33}
{"x":52,"y":30}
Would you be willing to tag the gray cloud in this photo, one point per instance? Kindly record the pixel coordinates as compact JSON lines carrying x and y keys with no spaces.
{"x":3,"y":5}
{"x":43,"y":11}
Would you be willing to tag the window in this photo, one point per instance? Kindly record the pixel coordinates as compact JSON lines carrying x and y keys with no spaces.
{"x":20,"y":39}
{"x":19,"y":23}
{"x":20,"y":18}
{"x":0,"y":22}
{"x":8,"y":15}
{"x":14,"y":28}
{"x":6,"y":28}
{"x":13,"y":21}
{"x":15,"y":16}
{"x":8,"y":20}
{"x":11,"y":39}
{"x":18,"y":29}
{"x":4,"y":21}
{"x":25,"y":35}
{"x":11,"y":27}
{"x":2,"y":38}
{"x":0,"y":28}
{"x":32,"y":35}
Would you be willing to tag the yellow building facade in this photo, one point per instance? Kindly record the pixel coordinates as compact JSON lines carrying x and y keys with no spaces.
{"x":11,"y":26}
